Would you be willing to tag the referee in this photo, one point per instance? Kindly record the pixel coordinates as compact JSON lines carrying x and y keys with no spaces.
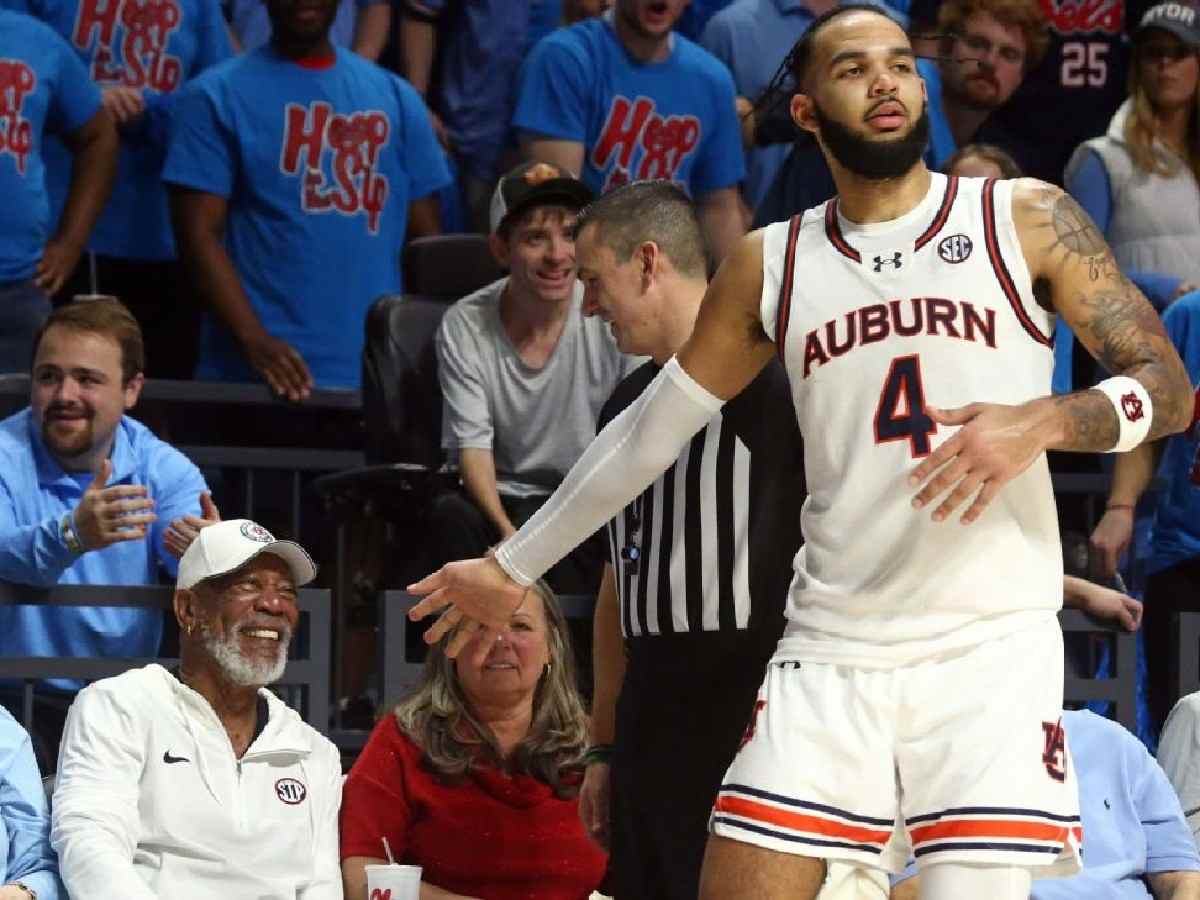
{"x":691,"y":603}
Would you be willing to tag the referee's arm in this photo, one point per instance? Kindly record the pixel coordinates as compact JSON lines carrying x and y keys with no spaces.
{"x":608,"y":659}
{"x":608,"y":674}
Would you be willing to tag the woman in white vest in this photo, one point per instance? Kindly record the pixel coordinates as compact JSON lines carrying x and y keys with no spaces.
{"x":1141,"y":181}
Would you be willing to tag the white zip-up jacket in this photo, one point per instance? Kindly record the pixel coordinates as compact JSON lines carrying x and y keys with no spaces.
{"x":150,"y":801}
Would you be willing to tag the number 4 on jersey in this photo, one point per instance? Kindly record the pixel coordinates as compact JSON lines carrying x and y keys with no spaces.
{"x":900,"y":414}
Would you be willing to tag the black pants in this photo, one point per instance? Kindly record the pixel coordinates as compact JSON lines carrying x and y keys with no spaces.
{"x":683,"y":709}
{"x":1168,"y":592}
{"x":160,"y":299}
{"x":459,"y":530}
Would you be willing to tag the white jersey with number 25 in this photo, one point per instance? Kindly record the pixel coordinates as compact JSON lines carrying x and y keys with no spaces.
{"x":874,"y":323}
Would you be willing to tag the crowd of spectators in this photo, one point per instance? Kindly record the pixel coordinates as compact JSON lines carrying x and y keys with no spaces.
{"x":243,"y":177}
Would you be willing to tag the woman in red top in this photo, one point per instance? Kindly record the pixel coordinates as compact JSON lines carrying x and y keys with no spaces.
{"x":475,"y":775}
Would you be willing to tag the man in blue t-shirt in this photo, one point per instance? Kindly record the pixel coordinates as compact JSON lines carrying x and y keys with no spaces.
{"x":1136,"y":844}
{"x":478,"y":46}
{"x":1174,"y":564}
{"x":294,"y":171}
{"x":139,"y":53}
{"x":361,"y":25}
{"x":44,"y":89}
{"x":88,"y":495}
{"x":623,"y":98}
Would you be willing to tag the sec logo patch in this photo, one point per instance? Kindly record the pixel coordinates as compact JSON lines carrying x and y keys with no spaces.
{"x":290,"y":791}
{"x":955,"y":248}
{"x":256,"y":532}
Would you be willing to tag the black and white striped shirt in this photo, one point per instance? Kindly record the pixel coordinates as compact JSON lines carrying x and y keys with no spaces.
{"x":709,"y":545}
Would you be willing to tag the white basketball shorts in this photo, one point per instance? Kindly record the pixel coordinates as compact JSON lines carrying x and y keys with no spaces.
{"x":961,"y":758}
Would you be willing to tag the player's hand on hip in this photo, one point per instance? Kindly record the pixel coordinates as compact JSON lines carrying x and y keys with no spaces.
{"x":1112,"y":537}
{"x":994,"y":444}
{"x":281,"y":366}
{"x":480,"y":594}
{"x":109,"y":515}
{"x":594,"y":796}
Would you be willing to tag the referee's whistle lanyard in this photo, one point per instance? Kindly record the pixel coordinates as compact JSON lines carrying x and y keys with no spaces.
{"x":631,"y":552}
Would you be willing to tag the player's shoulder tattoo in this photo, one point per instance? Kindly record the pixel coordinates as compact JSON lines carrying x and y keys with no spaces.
{"x":1062,"y":231}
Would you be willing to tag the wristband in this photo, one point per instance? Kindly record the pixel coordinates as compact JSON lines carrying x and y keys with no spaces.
{"x":597,"y":753}
{"x":30,"y":892}
{"x":66,"y":529}
{"x":1119,"y":506}
{"x":1134,"y":409}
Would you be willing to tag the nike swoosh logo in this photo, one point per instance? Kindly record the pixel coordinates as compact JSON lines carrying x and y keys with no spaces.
{"x":168,"y":758}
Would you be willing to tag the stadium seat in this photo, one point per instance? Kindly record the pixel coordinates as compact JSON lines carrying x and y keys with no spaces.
{"x":448,"y":267}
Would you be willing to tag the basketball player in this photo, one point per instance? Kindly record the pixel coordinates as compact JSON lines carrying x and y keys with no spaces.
{"x":918,"y":685}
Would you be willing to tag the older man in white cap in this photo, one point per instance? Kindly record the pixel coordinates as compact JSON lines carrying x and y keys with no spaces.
{"x":199,"y":783}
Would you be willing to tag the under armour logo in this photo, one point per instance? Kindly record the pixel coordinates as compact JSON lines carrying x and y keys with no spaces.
{"x":1131,"y":405}
{"x":880,"y":261}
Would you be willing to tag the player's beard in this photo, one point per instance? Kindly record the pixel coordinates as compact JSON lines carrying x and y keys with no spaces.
{"x":873,"y":160}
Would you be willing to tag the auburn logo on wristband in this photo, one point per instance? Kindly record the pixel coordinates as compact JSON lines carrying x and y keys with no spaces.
{"x":1131,"y":405}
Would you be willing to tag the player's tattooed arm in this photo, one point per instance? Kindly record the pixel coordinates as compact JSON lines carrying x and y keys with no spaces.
{"x":1075,"y":272}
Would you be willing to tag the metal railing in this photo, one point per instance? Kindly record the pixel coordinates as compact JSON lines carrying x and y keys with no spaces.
{"x":1119,"y":688}
{"x":304,"y":685}
{"x":14,"y":393}
{"x":1186,"y":653}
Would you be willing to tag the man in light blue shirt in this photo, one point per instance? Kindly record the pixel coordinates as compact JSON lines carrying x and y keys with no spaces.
{"x":27,"y":862}
{"x":1136,"y":844}
{"x":87,"y":494}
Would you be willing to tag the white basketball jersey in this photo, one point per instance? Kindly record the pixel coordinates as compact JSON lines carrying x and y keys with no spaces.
{"x":875,"y":322}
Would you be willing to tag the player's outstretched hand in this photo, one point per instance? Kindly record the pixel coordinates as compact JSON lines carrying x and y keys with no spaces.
{"x":995,"y":444}
{"x":480,"y":594}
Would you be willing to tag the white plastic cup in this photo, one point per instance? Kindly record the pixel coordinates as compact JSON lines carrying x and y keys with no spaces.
{"x":393,"y":882}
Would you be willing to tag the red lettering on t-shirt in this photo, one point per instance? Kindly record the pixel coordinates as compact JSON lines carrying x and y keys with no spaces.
{"x":352,"y":143}
{"x":140,"y":59}
{"x":1085,"y":16}
{"x":662,"y":143}
{"x":17,"y":82}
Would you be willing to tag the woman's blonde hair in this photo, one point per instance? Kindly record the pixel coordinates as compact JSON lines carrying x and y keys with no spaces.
{"x":1140,"y":129}
{"x":438,"y":718}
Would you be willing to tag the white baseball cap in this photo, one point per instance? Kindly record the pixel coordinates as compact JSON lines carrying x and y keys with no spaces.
{"x":222,"y":547}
